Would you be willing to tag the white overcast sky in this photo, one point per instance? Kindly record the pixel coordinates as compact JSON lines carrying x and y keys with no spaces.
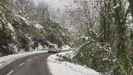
{"x":55,"y":3}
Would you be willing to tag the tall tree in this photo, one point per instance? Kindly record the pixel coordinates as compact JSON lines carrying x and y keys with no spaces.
{"x":105,"y":21}
{"x":131,"y":7}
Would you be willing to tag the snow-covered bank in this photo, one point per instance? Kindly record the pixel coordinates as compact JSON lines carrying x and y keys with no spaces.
{"x":5,"y":60}
{"x":65,"y":68}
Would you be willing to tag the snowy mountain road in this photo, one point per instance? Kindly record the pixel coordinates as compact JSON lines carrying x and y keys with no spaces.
{"x":30,"y":65}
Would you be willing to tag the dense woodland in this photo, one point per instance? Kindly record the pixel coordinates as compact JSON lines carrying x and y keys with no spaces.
{"x":102,"y":31}
{"x":107,"y":30}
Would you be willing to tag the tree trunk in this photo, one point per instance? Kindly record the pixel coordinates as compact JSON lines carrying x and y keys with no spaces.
{"x":131,"y":6}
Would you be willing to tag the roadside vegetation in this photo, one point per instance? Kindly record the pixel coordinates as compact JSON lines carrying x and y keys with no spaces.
{"x":106,"y":45}
{"x":20,"y":33}
{"x":100,"y":30}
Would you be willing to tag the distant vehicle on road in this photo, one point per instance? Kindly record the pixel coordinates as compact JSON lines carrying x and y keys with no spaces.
{"x":53,"y":48}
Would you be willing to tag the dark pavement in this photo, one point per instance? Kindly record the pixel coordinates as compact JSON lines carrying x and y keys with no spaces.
{"x":30,"y":65}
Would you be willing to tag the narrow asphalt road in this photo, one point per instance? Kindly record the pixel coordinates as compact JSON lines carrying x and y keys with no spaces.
{"x":30,"y":65}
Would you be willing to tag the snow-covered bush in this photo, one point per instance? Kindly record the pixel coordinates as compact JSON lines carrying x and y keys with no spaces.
{"x":96,"y":56}
{"x":102,"y":58}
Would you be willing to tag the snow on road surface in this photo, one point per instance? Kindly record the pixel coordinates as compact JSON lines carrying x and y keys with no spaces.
{"x":55,"y":67}
{"x":5,"y":60}
{"x":65,"y":68}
